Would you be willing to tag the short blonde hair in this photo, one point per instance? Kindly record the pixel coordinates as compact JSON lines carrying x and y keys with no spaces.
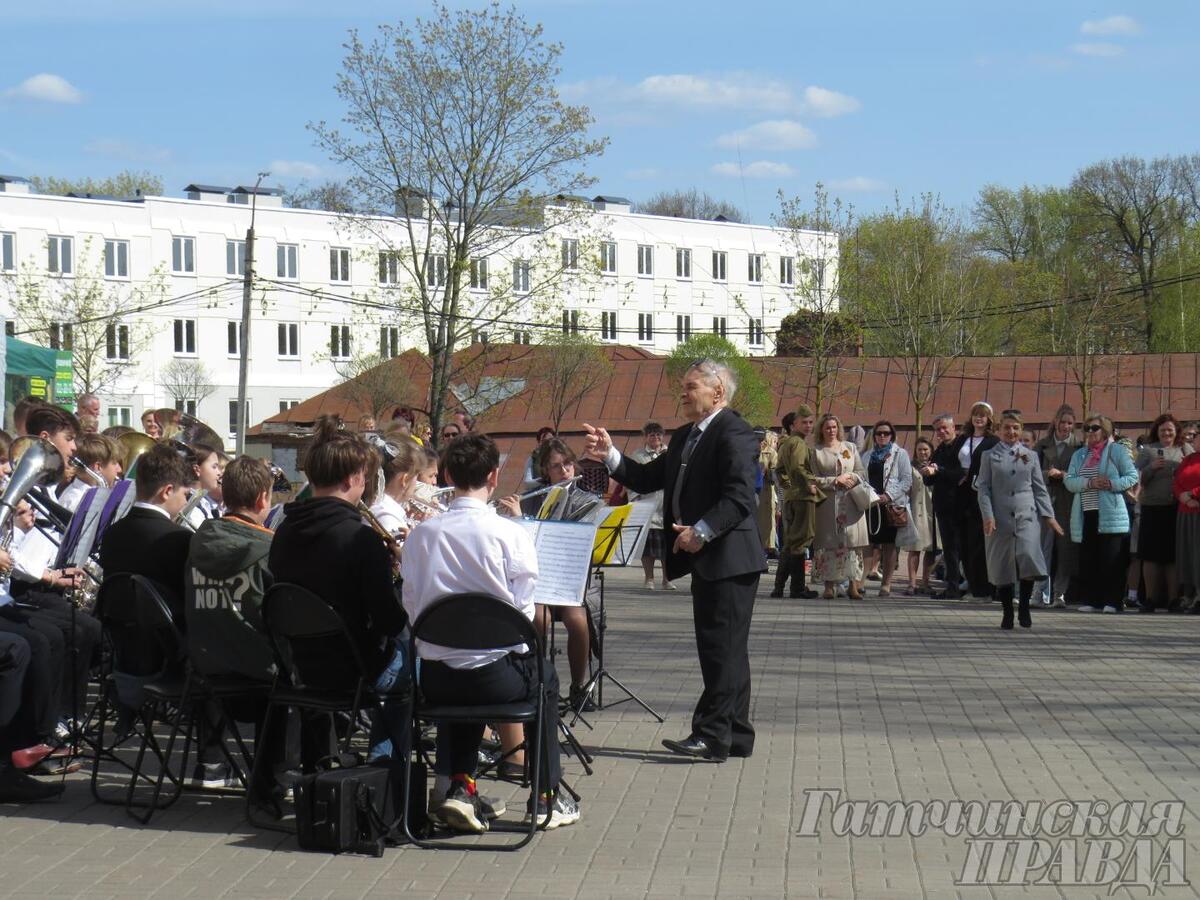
{"x":829,"y":417}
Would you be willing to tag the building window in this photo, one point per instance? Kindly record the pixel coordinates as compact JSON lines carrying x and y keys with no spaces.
{"x":339,"y":264}
{"x":389,"y":341}
{"x":183,"y":255}
{"x":479,"y":336}
{"x":521,"y":337}
{"x":186,"y":406}
{"x":645,"y":327}
{"x":683,"y":328}
{"x":8,"y":251}
{"x":286,"y":265}
{"x":60,"y":336}
{"x":116,"y":341}
{"x":185,"y":337}
{"x":521,"y":276}
{"x":435,"y":270}
{"x":720,"y":325}
{"x":285,"y":405}
{"x":719,"y":271}
{"x":608,"y":326}
{"x":570,"y":321}
{"x":787,"y":270}
{"x":645,"y":259}
{"x":235,"y":257}
{"x":339,"y":341}
{"x":756,"y":332}
{"x":10,"y":328}
{"x":233,"y":416}
{"x":479,"y":272}
{"x":119,"y":415}
{"x":389,"y":267}
{"x":116,"y":259}
{"x":570,"y":254}
{"x":608,"y":257}
{"x":683,"y":263}
{"x":233,"y":338}
{"x":754,"y":268}
{"x":60,"y":255}
{"x":289,"y":340}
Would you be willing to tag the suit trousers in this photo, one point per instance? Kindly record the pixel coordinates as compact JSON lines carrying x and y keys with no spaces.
{"x":721,"y":611}
{"x":81,"y":631}
{"x":1101,"y":565}
{"x":38,"y":713}
{"x":947,"y":524}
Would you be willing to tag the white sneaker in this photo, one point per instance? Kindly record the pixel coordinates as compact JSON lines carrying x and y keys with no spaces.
{"x":1110,"y":609}
{"x":1086,"y":608}
{"x":563,"y":811}
{"x":1060,"y":602}
{"x":648,"y":584}
{"x":667,"y":586}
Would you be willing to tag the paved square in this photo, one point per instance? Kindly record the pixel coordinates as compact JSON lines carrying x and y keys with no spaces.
{"x":897,"y":699}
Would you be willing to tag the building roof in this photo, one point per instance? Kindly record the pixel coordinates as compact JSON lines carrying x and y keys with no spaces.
{"x":14,"y":179}
{"x":260,"y":191}
{"x":207,"y":189}
{"x":602,"y":198}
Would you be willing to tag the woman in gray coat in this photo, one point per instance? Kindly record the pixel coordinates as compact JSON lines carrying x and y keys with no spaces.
{"x":1012,"y":500}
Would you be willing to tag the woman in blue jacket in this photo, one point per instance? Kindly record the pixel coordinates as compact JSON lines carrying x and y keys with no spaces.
{"x":1100,"y":473}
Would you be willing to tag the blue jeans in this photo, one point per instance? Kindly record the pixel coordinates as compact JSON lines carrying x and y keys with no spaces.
{"x":391,"y":724}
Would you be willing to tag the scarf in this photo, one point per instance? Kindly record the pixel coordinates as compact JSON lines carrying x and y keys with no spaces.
{"x":1094,"y":453}
{"x":879,"y":454}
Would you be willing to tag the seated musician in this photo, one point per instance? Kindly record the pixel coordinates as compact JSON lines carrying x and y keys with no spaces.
{"x":148,"y":541}
{"x":556,"y":465}
{"x":208,"y":464}
{"x":471,"y":549}
{"x":324,"y":545}
{"x":403,"y":460}
{"x":102,"y":457}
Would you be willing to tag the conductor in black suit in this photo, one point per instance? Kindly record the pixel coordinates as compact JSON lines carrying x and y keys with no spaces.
{"x":707,"y":477}
{"x":147,"y":541}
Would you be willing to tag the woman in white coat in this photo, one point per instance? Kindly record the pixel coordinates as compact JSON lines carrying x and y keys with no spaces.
{"x":1013,"y":501}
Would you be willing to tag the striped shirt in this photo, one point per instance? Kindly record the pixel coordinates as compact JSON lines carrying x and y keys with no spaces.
{"x":1090,"y":496}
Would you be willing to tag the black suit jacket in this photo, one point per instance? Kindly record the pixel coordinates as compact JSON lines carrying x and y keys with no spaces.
{"x":718,"y":487}
{"x":944,"y":481}
{"x":148,"y":543}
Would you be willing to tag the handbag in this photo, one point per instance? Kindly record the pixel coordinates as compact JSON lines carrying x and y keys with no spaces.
{"x":355,"y":809}
{"x":893,"y":514}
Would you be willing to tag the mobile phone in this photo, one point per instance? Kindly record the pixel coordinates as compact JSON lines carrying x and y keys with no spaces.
{"x":1160,"y":452}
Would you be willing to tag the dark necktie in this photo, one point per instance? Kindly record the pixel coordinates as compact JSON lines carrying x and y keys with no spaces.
{"x":688,"y":447}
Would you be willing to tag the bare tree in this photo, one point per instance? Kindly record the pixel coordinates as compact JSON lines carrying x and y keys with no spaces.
{"x":375,"y":385}
{"x":123,"y":184}
{"x":565,"y":369}
{"x":330,"y":196}
{"x":818,"y":330}
{"x":87,"y":315}
{"x":455,"y":124}
{"x":187,"y":379}
{"x":690,"y":204}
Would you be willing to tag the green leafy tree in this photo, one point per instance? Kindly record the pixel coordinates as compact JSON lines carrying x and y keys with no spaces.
{"x":753,"y":398}
{"x":123,"y":184}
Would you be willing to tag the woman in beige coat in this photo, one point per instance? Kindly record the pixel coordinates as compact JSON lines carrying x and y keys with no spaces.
{"x":837,"y":468}
{"x":768,"y":459}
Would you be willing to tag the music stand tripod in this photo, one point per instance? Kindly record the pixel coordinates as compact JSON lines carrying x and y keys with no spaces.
{"x":596,"y":682}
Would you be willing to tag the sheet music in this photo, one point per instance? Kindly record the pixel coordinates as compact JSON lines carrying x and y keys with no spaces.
{"x":564,"y":551}
{"x":634,"y":531}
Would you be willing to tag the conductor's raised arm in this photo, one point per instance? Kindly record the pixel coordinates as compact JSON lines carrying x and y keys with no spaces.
{"x":641,"y":478}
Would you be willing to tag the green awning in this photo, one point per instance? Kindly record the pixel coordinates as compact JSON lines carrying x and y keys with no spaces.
{"x":30,"y":359}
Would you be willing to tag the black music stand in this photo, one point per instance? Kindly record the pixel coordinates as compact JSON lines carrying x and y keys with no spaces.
{"x":606,"y":546}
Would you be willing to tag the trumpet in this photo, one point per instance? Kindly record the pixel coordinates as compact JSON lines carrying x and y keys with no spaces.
{"x":389,"y":540}
{"x":545,"y":489}
{"x":88,"y":473}
{"x":181,"y":517}
{"x":426,"y":502}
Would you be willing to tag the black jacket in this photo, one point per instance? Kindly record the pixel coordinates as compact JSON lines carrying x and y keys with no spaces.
{"x":968,"y":500}
{"x":323,"y":545}
{"x":718,"y":487}
{"x":148,"y":543}
{"x":944,"y":481}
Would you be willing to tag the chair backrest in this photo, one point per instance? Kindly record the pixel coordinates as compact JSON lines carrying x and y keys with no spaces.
{"x":474,"y":622}
{"x":310,"y":639}
{"x":145,"y":639}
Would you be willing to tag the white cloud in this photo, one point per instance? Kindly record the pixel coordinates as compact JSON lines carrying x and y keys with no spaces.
{"x":774,"y":134}
{"x":1098,"y":49}
{"x":762,"y":168}
{"x":643,"y":174}
{"x":859,"y":184}
{"x":46,"y":88}
{"x":117,"y":148}
{"x":1113,"y":25}
{"x":822,"y":102}
{"x":293,"y":168}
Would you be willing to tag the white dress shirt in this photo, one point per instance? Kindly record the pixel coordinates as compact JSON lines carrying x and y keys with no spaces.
{"x":72,"y":494}
{"x":469,"y":548}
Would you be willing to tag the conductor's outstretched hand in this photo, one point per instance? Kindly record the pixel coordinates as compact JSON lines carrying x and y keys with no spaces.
{"x":597,"y":443}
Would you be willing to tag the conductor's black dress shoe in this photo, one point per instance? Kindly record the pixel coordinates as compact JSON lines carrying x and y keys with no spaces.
{"x":694,"y":747}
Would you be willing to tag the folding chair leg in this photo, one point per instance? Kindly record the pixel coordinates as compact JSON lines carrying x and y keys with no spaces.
{"x":260,"y":741}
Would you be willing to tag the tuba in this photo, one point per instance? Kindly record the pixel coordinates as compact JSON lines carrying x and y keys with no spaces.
{"x":133,"y":445}
{"x":37,"y":462}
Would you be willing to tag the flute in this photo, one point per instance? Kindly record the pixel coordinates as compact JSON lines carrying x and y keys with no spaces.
{"x":537,"y":492}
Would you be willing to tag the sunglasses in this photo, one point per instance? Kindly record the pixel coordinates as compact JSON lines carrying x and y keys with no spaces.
{"x":449,"y":434}
{"x":883,"y":434}
{"x":1091,"y":428}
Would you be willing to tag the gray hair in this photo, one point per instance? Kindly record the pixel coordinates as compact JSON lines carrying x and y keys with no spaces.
{"x":942,"y":417}
{"x":720,"y":371}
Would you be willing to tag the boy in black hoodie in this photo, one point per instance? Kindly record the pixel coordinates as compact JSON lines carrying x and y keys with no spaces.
{"x":324,"y":545}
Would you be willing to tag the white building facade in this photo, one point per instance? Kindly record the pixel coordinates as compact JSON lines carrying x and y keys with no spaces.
{"x":172,"y":271}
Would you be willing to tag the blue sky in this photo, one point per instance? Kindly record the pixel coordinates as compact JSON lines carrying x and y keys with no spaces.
{"x":738,"y":99}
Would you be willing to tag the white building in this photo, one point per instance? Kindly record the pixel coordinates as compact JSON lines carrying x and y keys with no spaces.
{"x":175,"y":269}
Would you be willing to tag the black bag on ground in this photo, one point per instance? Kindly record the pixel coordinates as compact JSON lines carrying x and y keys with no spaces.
{"x":353,"y":810}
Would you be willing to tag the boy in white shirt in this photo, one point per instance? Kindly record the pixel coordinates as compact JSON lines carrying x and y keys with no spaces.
{"x":471,"y":549}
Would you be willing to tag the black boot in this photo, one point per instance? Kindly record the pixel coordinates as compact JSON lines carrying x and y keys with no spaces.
{"x":800,"y":589}
{"x":1007,"y":621}
{"x":783,"y":568}
{"x":1022,"y":614}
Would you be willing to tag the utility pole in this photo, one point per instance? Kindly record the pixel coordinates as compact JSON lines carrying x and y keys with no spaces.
{"x":244,"y":337}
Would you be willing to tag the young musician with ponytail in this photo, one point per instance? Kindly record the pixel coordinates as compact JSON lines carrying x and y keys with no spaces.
{"x":403,"y":461}
{"x":324,"y":545}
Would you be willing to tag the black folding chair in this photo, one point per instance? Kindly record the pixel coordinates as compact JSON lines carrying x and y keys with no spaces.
{"x":150,"y":665}
{"x":319,"y":667}
{"x":482,"y":622}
